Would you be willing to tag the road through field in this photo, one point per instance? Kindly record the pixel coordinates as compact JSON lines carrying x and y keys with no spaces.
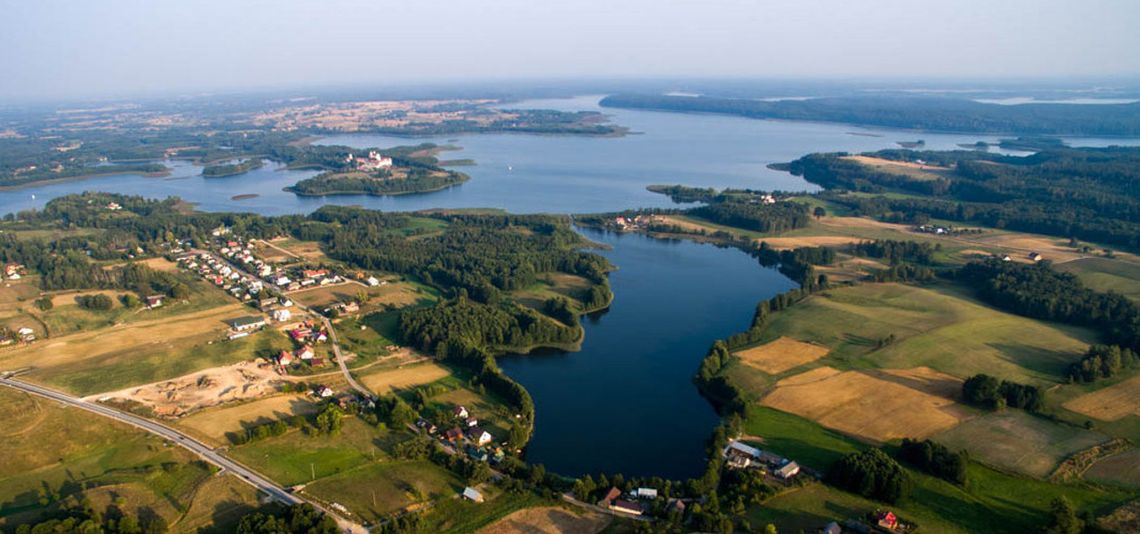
{"x":202,"y":450}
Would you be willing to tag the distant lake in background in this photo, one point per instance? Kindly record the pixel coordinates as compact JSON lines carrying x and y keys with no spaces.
{"x":546,"y":173}
{"x":624,"y":403}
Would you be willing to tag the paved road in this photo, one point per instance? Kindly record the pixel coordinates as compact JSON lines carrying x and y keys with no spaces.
{"x":202,"y":450}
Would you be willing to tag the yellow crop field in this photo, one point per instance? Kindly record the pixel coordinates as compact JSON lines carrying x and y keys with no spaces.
{"x":781,"y":355}
{"x":1111,"y":403}
{"x":876,"y":408}
{"x":403,"y":377}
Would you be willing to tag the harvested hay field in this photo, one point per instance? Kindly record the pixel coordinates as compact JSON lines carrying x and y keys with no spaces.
{"x":862,"y":405}
{"x":1016,"y":441}
{"x":862,"y":222}
{"x":548,"y":520}
{"x":308,"y":250}
{"x":781,"y":355}
{"x":403,"y":377}
{"x":180,"y":396}
{"x":160,"y":264}
{"x":1111,"y":403}
{"x":1122,"y":469}
{"x":916,"y":171}
{"x":788,"y":243}
{"x":216,"y":422}
{"x":923,"y":379}
{"x":64,"y":299}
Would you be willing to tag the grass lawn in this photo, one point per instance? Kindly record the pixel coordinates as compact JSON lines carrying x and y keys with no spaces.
{"x":294,"y":458}
{"x":374,"y":491}
{"x":937,"y":327}
{"x":992,"y":501}
{"x":92,"y":455}
{"x":460,"y":516}
{"x":797,"y":438}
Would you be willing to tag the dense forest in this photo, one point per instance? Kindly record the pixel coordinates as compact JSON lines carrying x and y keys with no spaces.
{"x":1084,"y":193}
{"x":910,"y":112}
{"x":498,"y":326}
{"x":779,"y":217}
{"x":484,"y":255}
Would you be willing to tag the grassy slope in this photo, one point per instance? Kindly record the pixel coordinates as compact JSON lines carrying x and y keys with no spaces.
{"x":992,"y":501}
{"x":936,"y":327}
{"x":1104,"y":274}
{"x":106,"y":457}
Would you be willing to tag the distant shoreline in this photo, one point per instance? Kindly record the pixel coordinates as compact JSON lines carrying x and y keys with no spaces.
{"x":80,"y":177}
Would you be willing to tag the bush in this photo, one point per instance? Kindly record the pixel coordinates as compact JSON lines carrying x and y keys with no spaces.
{"x":99,"y":302}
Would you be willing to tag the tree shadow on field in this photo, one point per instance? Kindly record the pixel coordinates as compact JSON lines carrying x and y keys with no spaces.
{"x":1053,"y":363}
{"x":226,"y":516}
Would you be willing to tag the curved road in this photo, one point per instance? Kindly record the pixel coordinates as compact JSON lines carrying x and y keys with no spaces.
{"x":204,"y":451}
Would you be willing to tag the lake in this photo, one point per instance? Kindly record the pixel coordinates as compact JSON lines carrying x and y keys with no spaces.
{"x":536,"y":173}
{"x":626,"y":402}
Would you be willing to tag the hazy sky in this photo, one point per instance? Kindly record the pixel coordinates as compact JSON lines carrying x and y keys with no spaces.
{"x":105,"y":47}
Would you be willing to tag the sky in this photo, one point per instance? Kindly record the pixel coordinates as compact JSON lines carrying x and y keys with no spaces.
{"x":77,"y":48}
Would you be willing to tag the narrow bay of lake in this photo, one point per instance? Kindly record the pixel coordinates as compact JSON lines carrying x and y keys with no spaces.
{"x":626,"y":402}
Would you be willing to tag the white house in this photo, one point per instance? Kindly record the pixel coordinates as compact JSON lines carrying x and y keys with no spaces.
{"x":282,"y":315}
{"x":645,"y":493}
{"x":372,"y":281}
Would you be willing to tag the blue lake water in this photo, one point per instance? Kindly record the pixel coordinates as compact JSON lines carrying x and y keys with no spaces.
{"x":625,"y":403}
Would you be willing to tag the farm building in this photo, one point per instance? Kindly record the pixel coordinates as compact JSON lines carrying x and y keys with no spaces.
{"x":628,"y":507}
{"x":472,"y":494}
{"x":1035,"y":256}
{"x":460,"y":412}
{"x":154,"y":301}
{"x":788,"y":470}
{"x":610,"y":496}
{"x":242,"y":324}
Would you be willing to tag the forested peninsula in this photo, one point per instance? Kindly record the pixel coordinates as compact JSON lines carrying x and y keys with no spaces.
{"x":911,"y":113}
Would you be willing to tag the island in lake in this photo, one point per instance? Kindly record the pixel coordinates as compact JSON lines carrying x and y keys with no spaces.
{"x":397,"y":171}
{"x":232,"y":169}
